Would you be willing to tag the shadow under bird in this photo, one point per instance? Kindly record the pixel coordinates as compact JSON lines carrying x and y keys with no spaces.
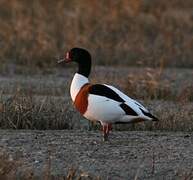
{"x":101,"y":102}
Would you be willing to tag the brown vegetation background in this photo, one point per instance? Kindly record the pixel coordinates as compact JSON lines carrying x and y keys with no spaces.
{"x":124,"y":32}
{"x":151,"y":35}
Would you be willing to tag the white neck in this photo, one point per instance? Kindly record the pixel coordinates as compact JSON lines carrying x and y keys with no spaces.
{"x":77,"y":82}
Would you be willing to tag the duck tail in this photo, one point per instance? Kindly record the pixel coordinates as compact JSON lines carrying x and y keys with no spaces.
{"x":155,"y":118}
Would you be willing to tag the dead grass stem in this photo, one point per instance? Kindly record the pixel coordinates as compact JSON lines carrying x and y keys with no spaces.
{"x":135,"y":32}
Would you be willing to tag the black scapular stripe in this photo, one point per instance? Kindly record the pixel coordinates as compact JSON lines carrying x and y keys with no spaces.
{"x":149,"y":115}
{"x":128,"y":110}
{"x":102,"y":90}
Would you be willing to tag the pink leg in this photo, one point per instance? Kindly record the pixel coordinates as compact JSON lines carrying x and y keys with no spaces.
{"x":106,"y":129}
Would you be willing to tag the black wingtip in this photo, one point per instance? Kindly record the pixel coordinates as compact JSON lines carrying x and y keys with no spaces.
{"x":148,"y":114}
{"x":155,"y":119}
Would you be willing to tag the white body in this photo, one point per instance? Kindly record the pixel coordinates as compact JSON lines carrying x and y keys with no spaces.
{"x":104,"y":109}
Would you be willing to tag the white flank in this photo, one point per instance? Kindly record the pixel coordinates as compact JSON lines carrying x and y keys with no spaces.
{"x":109,"y":111}
{"x":106,"y":110}
{"x":103,"y":109}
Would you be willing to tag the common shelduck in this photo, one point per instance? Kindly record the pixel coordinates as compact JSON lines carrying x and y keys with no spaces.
{"x":101,"y":102}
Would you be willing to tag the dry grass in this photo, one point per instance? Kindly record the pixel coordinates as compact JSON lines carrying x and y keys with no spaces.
{"x":156,"y":84}
{"x":25,"y":111}
{"x":8,"y":166}
{"x":186,"y":94}
{"x":10,"y":169}
{"x":122,"y":32}
{"x":43,"y":102}
{"x":149,"y":85}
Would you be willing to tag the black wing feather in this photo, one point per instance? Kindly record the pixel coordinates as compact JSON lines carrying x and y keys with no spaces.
{"x":128,"y":110}
{"x":102,"y":90}
{"x":149,"y":115}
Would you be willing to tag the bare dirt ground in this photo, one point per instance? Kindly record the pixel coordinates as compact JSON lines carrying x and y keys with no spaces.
{"x":128,"y":155}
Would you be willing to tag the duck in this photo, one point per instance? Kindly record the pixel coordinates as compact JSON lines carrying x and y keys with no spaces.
{"x":101,"y":102}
